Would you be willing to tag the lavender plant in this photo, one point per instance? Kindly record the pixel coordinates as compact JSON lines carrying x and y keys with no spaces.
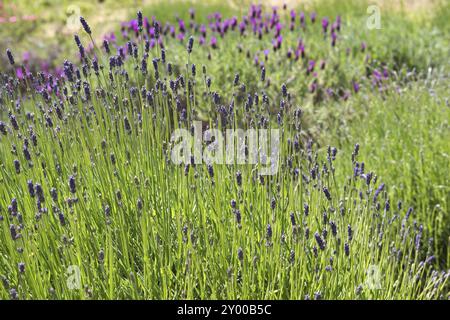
{"x":88,"y":180}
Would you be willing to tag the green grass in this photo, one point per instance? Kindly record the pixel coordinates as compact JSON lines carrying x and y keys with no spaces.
{"x":405,"y":138}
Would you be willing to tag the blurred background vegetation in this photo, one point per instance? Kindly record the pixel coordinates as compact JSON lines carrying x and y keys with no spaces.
{"x":40,"y":31}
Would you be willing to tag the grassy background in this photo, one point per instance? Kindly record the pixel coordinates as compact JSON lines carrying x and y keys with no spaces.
{"x":403,"y":136}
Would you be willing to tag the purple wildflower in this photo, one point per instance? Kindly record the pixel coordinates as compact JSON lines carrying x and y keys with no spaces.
{"x":292,"y":215}
{"x":213,"y":42}
{"x":325,"y":23}
{"x":239,"y":178}
{"x":320,"y":241}
{"x":72,"y":185}
{"x":21,"y":267}
{"x":30,"y":188}
{"x":377,"y":192}
{"x":17,"y":166}
{"x":327,"y":193}
{"x":347,"y":249}
{"x":240,"y":254}
{"x":190,"y":44}
{"x":355,"y":86}
{"x":85,"y":26}
{"x":350,"y":233}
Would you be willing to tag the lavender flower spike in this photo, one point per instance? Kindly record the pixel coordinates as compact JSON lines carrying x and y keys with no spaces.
{"x":10,"y":56}
{"x":85,"y":26}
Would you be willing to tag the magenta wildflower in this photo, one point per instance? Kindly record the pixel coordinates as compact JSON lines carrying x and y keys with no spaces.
{"x":325,"y":23}
{"x":213,"y":42}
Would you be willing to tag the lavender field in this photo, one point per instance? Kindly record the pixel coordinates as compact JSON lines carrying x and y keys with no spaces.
{"x":222,"y":150}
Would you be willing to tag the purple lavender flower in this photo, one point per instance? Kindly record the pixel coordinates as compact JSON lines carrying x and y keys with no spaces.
{"x":237,"y":214}
{"x":333,"y":228}
{"x":408,"y":213}
{"x":377,"y":192}
{"x":190,"y":44}
{"x":17,"y":166}
{"x":284,"y":90}
{"x":311,"y":65}
{"x":269,"y":232}
{"x":39,"y":192}
{"x":333,"y":38}
{"x":292,"y":257}
{"x":302,"y":19}
{"x":144,"y":66}
{"x":430,"y":260}
{"x":327,"y":193}
{"x":363,"y":46}
{"x":325,"y":23}
{"x":30,"y":188}
{"x":127,"y":125}
{"x":72,"y":185}
{"x":13,"y":120}
{"x":85,"y":26}
{"x":350,"y":233}
{"x":13,"y":206}
{"x":10,"y":56}
{"x":101,"y":256}
{"x":419,"y":238}
{"x":240,"y":254}
{"x":54,"y":194}
{"x":156,"y":29}
{"x":21,"y":267}
{"x":239,"y":178}
{"x":13,"y":294}
{"x":293,"y":15}
{"x":13,"y":231}
{"x":306,"y":209}
{"x":263,"y":74}
{"x":347,"y":249}
{"x":292,"y":215}
{"x":320,"y":241}
{"x":211,"y":171}
{"x":236,"y":79}
{"x":356,"y":86}
{"x":139,"y":20}
{"x":79,"y":45}
{"x":387,"y":205}
{"x":213,"y":42}
{"x":62,"y":219}
{"x":2,"y":128}
{"x":181,"y":26}
{"x":107,"y":210}
{"x":356,"y":150}
{"x":338,"y":23}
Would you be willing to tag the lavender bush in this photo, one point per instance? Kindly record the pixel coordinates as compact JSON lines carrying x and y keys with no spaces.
{"x":88,"y":182}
